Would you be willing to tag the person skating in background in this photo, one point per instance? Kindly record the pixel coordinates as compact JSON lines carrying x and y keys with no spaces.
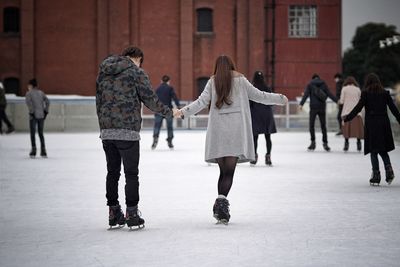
{"x":318,"y":92}
{"x":339,"y":84}
{"x":166,"y":94}
{"x":262,"y":119}
{"x":378,"y":138}
{"x":38,"y":107}
{"x":229,"y":138}
{"x":3,"y":115}
{"x":349,"y":98}
{"x":121,"y":87}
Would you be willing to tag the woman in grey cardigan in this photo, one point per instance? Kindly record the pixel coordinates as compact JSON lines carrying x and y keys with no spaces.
{"x":229,"y":138}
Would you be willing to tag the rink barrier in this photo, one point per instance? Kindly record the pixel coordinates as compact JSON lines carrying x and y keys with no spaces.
{"x":69,"y":114}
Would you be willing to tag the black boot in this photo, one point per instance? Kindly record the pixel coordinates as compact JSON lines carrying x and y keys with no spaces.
{"x":312,"y":146}
{"x":375,"y":178}
{"x":155,"y":142}
{"x":115,"y":216}
{"x":346,"y":146}
{"x":254,"y":162}
{"x":221,"y":210}
{"x":389,"y":174}
{"x":32,"y":154}
{"x":170,"y":145}
{"x":133,"y":217}
{"x":359,"y":147}
{"x":268,"y":160}
{"x":326,"y":147}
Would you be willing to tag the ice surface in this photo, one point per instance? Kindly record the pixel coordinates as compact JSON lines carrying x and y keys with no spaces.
{"x":310,"y":209}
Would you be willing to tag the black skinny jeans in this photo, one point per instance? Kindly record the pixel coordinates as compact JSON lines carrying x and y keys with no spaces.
{"x":3,"y":117}
{"x":374,"y":160}
{"x":322,"y":119}
{"x":126,"y":152}
{"x":32,"y":126}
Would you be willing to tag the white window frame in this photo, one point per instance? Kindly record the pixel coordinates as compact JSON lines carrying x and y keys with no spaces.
{"x":302,"y":21}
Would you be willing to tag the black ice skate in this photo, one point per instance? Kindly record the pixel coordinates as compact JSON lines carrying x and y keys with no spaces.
{"x":221,"y":210}
{"x":155,"y":142}
{"x":170,"y":145}
{"x":32,"y":154}
{"x":389,"y":174}
{"x":312,"y":146}
{"x":326,"y":147}
{"x":116,"y":216}
{"x":346,"y":146}
{"x":268,"y":161}
{"x":43,"y":152}
{"x":133,"y":218}
{"x":254,"y":162}
{"x":358,"y":145}
{"x":375,"y":178}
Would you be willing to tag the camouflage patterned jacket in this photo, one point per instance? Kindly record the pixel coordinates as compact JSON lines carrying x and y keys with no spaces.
{"x":121,"y":87}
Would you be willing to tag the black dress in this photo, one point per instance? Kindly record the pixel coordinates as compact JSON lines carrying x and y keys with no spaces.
{"x":378,"y":135}
{"x":262,"y":116}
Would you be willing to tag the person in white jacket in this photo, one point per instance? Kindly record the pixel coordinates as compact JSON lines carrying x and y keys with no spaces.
{"x":229,"y":138}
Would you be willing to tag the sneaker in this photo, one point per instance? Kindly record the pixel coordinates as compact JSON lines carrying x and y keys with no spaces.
{"x":133,"y":217}
{"x":326,"y":147}
{"x":221,"y":210}
{"x":268,"y":160}
{"x":254,"y":162}
{"x":115,"y":216}
{"x":312,"y":146}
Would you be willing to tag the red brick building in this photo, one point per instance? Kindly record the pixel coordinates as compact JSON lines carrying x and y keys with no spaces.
{"x":62,"y":42}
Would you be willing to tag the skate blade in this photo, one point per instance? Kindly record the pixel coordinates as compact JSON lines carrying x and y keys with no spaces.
{"x":224,"y":222}
{"x":111,"y":228}
{"x":389,"y":182}
{"x":373,"y":184}
{"x":136,"y":228}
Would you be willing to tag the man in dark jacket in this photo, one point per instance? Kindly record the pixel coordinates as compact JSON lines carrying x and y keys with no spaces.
{"x":121,"y":88}
{"x":166,"y":94}
{"x":3,"y":115}
{"x":314,"y":89}
{"x":339,"y":84}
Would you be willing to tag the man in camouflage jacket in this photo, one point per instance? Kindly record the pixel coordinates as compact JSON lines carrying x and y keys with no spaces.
{"x":121,"y":88}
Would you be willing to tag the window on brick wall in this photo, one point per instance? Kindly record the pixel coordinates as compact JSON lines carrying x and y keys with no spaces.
{"x":204,"y":20}
{"x":11,"y":20}
{"x":201,"y":84}
{"x":302,"y":21}
{"x":11,"y":85}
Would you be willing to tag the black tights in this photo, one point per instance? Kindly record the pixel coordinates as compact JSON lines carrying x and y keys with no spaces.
{"x":267,"y":140}
{"x":375,"y":162}
{"x":227,"y":167}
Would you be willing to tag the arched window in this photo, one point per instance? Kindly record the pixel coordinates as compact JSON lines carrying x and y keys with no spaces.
{"x":11,"y":20}
{"x":204,"y":20}
{"x":201,"y":83}
{"x":11,"y":85}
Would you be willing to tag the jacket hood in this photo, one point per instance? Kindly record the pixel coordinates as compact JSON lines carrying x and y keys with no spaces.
{"x":317,"y":82}
{"x":114,"y":65}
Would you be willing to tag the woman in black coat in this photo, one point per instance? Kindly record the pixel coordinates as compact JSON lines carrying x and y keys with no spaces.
{"x":262,"y":118}
{"x":378,"y":137}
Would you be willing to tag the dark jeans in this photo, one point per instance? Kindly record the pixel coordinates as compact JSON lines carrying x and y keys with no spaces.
{"x":32,"y":126}
{"x":127,"y":152}
{"x":267,"y":141}
{"x":158,"y":119}
{"x":3,"y":117}
{"x":375,"y":162}
{"x":322,"y":119}
{"x":339,"y":117}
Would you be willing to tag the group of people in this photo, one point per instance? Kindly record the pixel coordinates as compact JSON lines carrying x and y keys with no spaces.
{"x":238,"y":112}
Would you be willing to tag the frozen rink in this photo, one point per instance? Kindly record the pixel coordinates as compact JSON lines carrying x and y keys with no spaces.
{"x":310,"y":209}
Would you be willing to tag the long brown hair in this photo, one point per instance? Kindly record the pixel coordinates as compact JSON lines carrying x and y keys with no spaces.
{"x":350,"y":81}
{"x":373,"y":83}
{"x":223,"y":80}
